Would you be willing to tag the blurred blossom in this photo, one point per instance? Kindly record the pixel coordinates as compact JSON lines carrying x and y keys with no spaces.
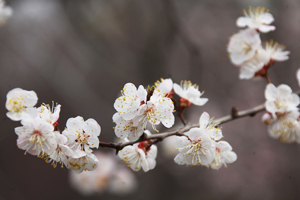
{"x":168,"y":146}
{"x":298,"y":76}
{"x":243,"y":45}
{"x":5,"y":12}
{"x":107,"y":176}
{"x":257,"y":18}
{"x":123,"y":182}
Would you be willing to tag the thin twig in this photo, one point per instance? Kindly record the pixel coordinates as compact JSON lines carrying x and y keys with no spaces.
{"x":268,"y":78}
{"x":181,"y":117}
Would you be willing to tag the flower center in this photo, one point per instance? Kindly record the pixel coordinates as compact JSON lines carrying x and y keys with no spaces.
{"x":16,"y":106}
{"x":280,"y":104}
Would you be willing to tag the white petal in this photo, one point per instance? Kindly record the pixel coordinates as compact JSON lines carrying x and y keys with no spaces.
{"x":178,"y":90}
{"x":271,"y":92}
{"x":266,"y":28}
{"x":91,"y":127}
{"x":298,"y":76}
{"x":242,"y":21}
{"x":75,"y":123}
{"x":229,"y":156}
{"x":204,"y":120}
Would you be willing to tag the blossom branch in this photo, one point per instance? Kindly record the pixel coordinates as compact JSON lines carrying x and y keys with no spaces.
{"x":155,"y":138}
{"x":180,"y":132}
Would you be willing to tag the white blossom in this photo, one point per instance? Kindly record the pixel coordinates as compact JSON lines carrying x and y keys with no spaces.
{"x":276,"y":51}
{"x":286,"y":128}
{"x":243,"y":45}
{"x":164,"y":86}
{"x":49,"y":114}
{"x":128,"y":104}
{"x":198,"y":149}
{"x":36,"y":137}
{"x":206,"y":123}
{"x":139,"y":156}
{"x":82,"y":135}
{"x":83,"y":161}
{"x":280,"y":100}
{"x":257,"y":18}
{"x":190,"y":92}
{"x":129,"y":129}
{"x":123,"y":182}
{"x":167,"y":146}
{"x":19,"y":104}
{"x":223,"y":155}
{"x":5,"y":12}
{"x":61,"y":153}
{"x":255,"y":65}
{"x":157,"y":109}
{"x":267,"y":118}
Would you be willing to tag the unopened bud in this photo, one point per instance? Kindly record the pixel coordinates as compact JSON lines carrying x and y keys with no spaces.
{"x":267,"y":118}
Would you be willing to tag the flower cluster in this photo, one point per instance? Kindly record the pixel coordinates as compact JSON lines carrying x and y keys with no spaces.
{"x":200,"y":146}
{"x":246,"y":50}
{"x":282,"y":114}
{"x":138,"y":107}
{"x":41,"y":137}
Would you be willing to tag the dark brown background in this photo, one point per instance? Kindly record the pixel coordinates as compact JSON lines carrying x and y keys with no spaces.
{"x":81,"y":53}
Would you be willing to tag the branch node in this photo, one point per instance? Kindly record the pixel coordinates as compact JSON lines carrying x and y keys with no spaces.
{"x":234,"y":113}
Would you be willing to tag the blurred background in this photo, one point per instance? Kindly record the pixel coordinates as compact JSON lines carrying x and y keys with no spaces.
{"x":81,"y":53}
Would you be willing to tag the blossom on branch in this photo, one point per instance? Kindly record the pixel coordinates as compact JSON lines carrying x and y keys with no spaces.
{"x":19,"y":104}
{"x":128,"y":104}
{"x":243,"y":45}
{"x":223,"y":155}
{"x":164,"y":86}
{"x":128,"y":129}
{"x":82,"y":135}
{"x":196,"y":149}
{"x":206,"y":123}
{"x":257,"y":18}
{"x":139,"y":155}
{"x":189,"y":94}
{"x":83,"y":161}
{"x":276,"y":51}
{"x":49,"y":114}
{"x":36,"y":137}
{"x":280,"y":100}
{"x":157,"y":109}
{"x":61,"y":153}
{"x":286,"y":128}
{"x":256,"y":65}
